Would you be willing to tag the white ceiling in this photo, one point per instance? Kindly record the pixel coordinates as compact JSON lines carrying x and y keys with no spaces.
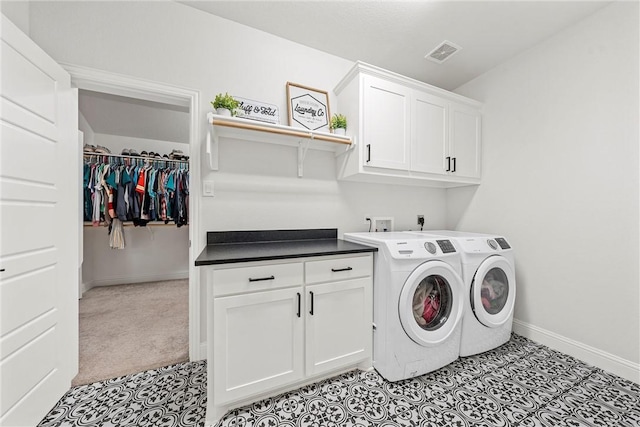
{"x":396,"y":35}
{"x":122,"y":116}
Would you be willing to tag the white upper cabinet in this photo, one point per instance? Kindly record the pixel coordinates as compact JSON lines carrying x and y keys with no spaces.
{"x":386,"y":124}
{"x":464,"y":140}
{"x":429,"y":133}
{"x":407,"y":131}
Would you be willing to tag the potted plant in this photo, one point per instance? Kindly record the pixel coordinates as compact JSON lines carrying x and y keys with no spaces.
{"x":225,"y":105}
{"x":338,"y":124}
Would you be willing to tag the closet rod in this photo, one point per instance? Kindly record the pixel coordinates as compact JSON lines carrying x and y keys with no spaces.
{"x":150,"y":159}
{"x":131,"y":224}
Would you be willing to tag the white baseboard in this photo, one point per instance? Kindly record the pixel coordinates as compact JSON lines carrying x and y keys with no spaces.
{"x":591,"y":355}
{"x":123,"y":280}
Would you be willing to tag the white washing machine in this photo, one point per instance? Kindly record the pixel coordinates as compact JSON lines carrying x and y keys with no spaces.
{"x":417,"y":303}
{"x":488,"y":271}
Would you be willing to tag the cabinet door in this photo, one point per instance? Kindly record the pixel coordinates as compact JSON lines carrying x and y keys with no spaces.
{"x":258,"y":342}
{"x":339,"y":321}
{"x":385,"y":127}
{"x":465,"y":140}
{"x":429,"y":134}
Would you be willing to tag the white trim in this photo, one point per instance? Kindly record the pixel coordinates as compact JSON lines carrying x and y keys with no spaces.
{"x":596,"y":357}
{"x":125,"y":280}
{"x":118,"y":84}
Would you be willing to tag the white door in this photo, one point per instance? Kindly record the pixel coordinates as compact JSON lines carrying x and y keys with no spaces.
{"x":431,"y":302}
{"x":39,"y":215}
{"x":493,"y":292}
{"x":429,"y":137}
{"x":464,"y":141}
{"x":258,"y":342}
{"x":338,"y":324}
{"x":385,"y":124}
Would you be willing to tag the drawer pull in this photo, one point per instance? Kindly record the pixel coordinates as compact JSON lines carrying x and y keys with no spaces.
{"x":311,"y":311}
{"x":299,"y":297}
{"x":335,"y":270}
{"x":261,"y":279}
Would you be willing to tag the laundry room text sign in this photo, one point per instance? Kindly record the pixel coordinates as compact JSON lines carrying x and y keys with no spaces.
{"x":256,"y":110}
{"x":308,"y":108}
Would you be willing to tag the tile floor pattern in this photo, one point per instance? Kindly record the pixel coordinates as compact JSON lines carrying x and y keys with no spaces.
{"x":520,"y":384}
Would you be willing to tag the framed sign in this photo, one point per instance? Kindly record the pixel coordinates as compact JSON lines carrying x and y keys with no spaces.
{"x":256,"y":110}
{"x":308,"y":107}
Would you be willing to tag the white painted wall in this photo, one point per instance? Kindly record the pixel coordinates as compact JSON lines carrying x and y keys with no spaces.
{"x":560,"y":180}
{"x":150,"y":254}
{"x":88,"y":135}
{"x":17,"y":12}
{"x":257,"y":185}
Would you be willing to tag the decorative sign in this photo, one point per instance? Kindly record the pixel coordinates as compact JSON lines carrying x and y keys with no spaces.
{"x":308,"y":108}
{"x":255,"y":110}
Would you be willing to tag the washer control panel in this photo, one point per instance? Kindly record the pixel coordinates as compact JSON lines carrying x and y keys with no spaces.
{"x":503,"y":243}
{"x":416,"y":249}
{"x":492,"y":244}
{"x":446,"y":246}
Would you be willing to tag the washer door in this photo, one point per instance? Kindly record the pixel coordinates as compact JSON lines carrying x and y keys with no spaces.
{"x":430,"y":305}
{"x":493,"y":292}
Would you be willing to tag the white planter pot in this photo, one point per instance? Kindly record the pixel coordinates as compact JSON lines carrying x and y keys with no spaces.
{"x":340,"y":131}
{"x":223,"y":112}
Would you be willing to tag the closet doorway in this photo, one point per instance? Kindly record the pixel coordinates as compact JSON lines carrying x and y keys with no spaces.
{"x":136,"y":311}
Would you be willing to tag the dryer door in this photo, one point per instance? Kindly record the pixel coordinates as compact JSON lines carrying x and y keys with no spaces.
{"x":493,"y":292}
{"x":431,"y":301}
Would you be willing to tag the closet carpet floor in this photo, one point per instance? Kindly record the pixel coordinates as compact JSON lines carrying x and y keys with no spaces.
{"x":519,"y":384}
{"x":126,"y":329}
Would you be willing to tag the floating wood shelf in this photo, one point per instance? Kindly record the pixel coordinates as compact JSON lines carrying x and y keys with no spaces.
{"x":251,"y":130}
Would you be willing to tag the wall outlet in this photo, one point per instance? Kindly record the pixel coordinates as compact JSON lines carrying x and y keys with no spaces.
{"x":421,"y":220}
{"x":382,"y":223}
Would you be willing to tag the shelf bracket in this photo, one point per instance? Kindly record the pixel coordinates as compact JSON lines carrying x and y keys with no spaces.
{"x":347,"y":149}
{"x":212,"y":145}
{"x":303,"y":147}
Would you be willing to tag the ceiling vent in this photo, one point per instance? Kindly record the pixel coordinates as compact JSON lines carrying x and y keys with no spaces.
{"x":444,"y":51}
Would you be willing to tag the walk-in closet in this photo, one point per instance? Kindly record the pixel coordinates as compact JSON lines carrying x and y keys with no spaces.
{"x":134,"y":305}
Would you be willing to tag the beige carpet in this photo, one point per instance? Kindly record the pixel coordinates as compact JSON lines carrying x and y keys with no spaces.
{"x":132,"y":328}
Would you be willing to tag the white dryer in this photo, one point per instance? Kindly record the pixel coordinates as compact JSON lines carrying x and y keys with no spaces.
{"x":488,"y":271}
{"x":418,"y":303}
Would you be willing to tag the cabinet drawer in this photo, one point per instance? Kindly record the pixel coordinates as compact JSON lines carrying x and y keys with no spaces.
{"x":256,"y":278}
{"x":338,"y":269}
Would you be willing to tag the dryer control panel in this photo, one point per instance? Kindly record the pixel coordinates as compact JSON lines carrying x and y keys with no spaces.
{"x":481,"y":245}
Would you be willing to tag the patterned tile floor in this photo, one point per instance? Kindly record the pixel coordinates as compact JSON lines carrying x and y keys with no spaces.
{"x":520,"y":384}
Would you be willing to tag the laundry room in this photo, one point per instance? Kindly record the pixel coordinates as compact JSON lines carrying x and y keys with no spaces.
{"x":555,"y":175}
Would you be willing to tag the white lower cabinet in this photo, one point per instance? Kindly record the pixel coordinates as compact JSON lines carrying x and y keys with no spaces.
{"x":258,"y":342}
{"x":338,"y":325}
{"x":285,"y":324}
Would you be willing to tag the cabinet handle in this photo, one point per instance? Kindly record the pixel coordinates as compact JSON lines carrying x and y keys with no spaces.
{"x":368,"y":153}
{"x":261,"y":279}
{"x":299,"y":297}
{"x":311,"y":310}
{"x":335,"y":270}
{"x":448,"y":164}
{"x":454,"y":164}
{"x":1,"y":270}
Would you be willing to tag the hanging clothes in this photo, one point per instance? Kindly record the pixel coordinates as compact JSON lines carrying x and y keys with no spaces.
{"x":134,"y":189}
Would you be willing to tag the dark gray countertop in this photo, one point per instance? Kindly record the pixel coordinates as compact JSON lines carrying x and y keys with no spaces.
{"x":233,"y":247}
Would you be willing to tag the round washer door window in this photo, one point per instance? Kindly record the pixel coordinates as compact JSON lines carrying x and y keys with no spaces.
{"x":493,"y":292}
{"x":430,"y":305}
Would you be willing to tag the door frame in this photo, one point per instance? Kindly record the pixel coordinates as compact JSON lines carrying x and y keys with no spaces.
{"x":117,"y":84}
